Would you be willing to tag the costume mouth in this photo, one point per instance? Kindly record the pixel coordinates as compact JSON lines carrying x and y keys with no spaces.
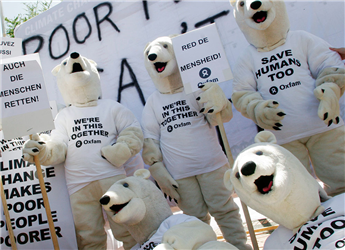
{"x":117,"y":208}
{"x":260,"y":16}
{"x":77,"y":68}
{"x":264,"y":183}
{"x":160,"y":66}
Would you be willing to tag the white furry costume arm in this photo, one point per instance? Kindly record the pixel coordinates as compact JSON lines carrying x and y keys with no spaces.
{"x":247,"y":99}
{"x":330,"y":86}
{"x":152,"y":156}
{"x":48,"y":151}
{"x":188,"y":235}
{"x":328,"y":69}
{"x":128,"y":144}
{"x":214,"y":101}
{"x":265,"y":113}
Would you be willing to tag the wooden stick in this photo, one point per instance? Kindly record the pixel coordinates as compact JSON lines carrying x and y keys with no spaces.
{"x":46,"y":202}
{"x":231,"y":162}
{"x":8,"y":218}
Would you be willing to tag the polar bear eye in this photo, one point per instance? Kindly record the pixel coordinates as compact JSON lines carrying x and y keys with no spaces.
{"x":147,"y":52}
{"x":125,"y":185}
{"x":242,"y":3}
{"x":64,"y":63}
{"x":165,"y":45}
{"x":259,"y":153}
{"x":237,"y":175}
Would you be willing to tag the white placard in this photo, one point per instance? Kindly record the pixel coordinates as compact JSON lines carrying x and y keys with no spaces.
{"x":10,"y":47}
{"x":25,"y":204}
{"x":25,"y":106}
{"x":201,"y":58}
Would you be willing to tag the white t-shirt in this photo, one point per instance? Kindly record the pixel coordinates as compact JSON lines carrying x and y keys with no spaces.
{"x":326,"y":231}
{"x":189,"y":145}
{"x":85,"y":130}
{"x":287,"y":74}
{"x":166,"y":224}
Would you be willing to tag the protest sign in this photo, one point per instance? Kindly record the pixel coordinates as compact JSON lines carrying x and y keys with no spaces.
{"x":24,"y":102}
{"x":25,"y":203}
{"x":201,"y":58}
{"x":10,"y":47}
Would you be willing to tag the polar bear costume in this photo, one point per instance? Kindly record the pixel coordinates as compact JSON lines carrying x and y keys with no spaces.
{"x":94,"y":138}
{"x":138,"y":204}
{"x":181,"y":145}
{"x":290,"y":82}
{"x":272,"y":181}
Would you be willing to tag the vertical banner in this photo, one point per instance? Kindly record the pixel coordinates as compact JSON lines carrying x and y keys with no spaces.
{"x":25,"y":202}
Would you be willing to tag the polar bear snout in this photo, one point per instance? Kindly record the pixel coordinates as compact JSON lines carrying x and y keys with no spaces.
{"x":152,"y":57}
{"x":248,"y":168}
{"x":74,"y":55}
{"x":104,"y":200}
{"x":255,"y":5}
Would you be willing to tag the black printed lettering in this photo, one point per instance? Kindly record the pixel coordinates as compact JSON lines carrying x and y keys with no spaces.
{"x":105,"y":18}
{"x":82,"y":15}
{"x":51,"y":40}
{"x":134,"y":82}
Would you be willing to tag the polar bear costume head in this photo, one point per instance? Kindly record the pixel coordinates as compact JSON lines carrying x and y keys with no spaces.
{"x":161,"y":64}
{"x":264,"y":23}
{"x":272,"y":181}
{"x":78,"y":81}
{"x":138,"y":204}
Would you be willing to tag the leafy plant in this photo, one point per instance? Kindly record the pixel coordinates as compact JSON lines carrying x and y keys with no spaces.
{"x":32,"y":10}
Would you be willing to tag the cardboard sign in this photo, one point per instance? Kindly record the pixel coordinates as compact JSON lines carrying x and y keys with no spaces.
{"x":25,"y":203}
{"x":10,"y":47}
{"x":201,"y":58}
{"x":24,"y":102}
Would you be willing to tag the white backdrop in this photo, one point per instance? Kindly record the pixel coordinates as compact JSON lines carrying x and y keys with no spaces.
{"x":114,"y":34}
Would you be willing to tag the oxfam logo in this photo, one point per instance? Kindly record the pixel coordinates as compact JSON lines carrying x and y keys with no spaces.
{"x":274,"y":90}
{"x":169,"y":128}
{"x":205,"y":73}
{"x":78,"y":144}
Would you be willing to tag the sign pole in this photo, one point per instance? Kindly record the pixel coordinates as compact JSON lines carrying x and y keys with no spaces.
{"x":231,"y":162}
{"x":2,"y":21}
{"x":2,"y":193}
{"x":46,"y":202}
{"x":8,"y":218}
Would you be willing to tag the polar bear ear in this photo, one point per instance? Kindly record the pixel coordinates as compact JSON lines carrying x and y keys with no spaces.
{"x":226,"y":180}
{"x":142,"y":173}
{"x":265,"y":136}
{"x":56,"y":70}
{"x":92,"y":62}
{"x":233,"y":2}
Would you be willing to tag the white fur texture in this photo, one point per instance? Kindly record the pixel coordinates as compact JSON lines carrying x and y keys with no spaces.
{"x":78,"y":81}
{"x":146,"y":208}
{"x":264,"y":23}
{"x":160,"y":63}
{"x":48,"y":152}
{"x":293,"y":196}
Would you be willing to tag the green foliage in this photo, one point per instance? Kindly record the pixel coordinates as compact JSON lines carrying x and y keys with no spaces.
{"x":31,"y":10}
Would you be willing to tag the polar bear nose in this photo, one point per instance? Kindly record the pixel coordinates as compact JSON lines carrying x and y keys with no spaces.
{"x":152,"y":57}
{"x":104,"y":200}
{"x":255,"y":5}
{"x":248,"y":168}
{"x":74,"y":55}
